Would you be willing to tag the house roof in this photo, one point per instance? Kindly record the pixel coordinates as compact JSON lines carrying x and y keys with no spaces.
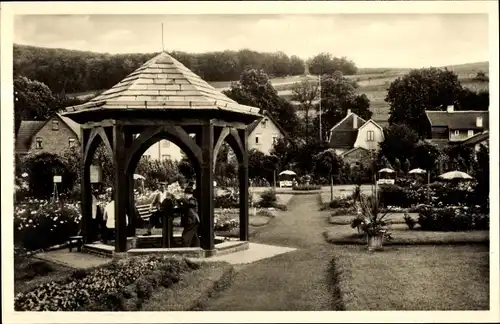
{"x":343,"y":135}
{"x":457,"y":119}
{"x":161,"y":84}
{"x":478,"y":138}
{"x":75,"y":127}
{"x":27,"y":130}
{"x":254,"y":124}
{"x":354,"y":149}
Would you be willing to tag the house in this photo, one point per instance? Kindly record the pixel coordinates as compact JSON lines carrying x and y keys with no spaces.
{"x":477,"y":140}
{"x":58,"y":133}
{"x":263,"y":133}
{"x":355,"y":139}
{"x":453,"y":127}
{"x":52,"y":136}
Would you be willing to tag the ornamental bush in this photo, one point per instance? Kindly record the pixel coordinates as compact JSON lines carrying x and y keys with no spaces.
{"x":452,"y":218}
{"x":40,"y":224}
{"x":268,"y":199}
{"x":306,"y":187}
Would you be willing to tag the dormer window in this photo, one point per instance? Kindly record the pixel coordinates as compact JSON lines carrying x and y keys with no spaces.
{"x":470,"y":133}
{"x":370,"y":136}
{"x":72,"y":142}
{"x":479,"y":121}
{"x":264,"y":123}
{"x":55,"y":125}
{"x":456,"y":132}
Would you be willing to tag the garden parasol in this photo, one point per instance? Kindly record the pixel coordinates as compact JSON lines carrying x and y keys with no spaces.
{"x":386,"y":170}
{"x":455,"y":175}
{"x":417,"y":171}
{"x":138,"y":176}
{"x":289,"y":172}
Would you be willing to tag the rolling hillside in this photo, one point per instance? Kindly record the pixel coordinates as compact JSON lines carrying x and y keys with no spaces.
{"x":372,"y":81}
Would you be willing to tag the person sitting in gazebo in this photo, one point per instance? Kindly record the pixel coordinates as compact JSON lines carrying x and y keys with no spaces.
{"x":157,"y":203}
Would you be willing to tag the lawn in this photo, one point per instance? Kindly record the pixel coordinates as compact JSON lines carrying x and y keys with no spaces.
{"x":414,"y":278}
{"x":32,"y":272}
{"x":391,"y":218}
{"x":344,"y":234}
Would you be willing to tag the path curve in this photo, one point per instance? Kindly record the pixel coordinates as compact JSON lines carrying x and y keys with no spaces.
{"x":294,"y":281}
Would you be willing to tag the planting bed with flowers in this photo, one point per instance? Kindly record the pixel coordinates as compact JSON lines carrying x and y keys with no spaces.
{"x":119,"y":286}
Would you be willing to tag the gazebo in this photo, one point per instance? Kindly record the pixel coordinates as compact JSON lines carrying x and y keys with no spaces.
{"x":163,"y":99}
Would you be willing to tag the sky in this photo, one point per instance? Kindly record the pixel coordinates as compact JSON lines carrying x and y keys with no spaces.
{"x":370,"y":40}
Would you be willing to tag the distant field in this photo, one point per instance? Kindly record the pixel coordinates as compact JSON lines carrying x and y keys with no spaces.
{"x":372,"y":81}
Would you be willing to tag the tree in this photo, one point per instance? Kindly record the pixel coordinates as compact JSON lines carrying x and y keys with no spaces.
{"x":472,"y":100}
{"x":297,"y":66}
{"x":406,"y":166}
{"x":186,"y":168}
{"x":286,"y":152}
{"x":255,"y":89}
{"x":460,"y":157}
{"x":482,"y":176}
{"x":327,"y":162}
{"x":425,"y":89}
{"x":255,"y":169}
{"x":325,"y":63}
{"x":33,"y":100}
{"x":338,"y":94}
{"x":425,"y":155}
{"x":397,"y":166}
{"x":399,"y":142}
{"x":305,"y":92}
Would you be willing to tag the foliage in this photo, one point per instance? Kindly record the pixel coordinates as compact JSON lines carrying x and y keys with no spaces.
{"x":399,"y":142}
{"x":41,"y":168}
{"x":419,"y":90}
{"x":156,"y":171}
{"x":268,"y":198}
{"x":33,"y":101}
{"x":186,"y":168}
{"x":482,"y":175}
{"x":460,"y":157}
{"x":327,"y":163}
{"x":255,"y":89}
{"x":40,"y":224}
{"x":226,"y":222}
{"x":452,"y":218}
{"x":410,"y":222}
{"x":425,"y":155}
{"x":325,"y":63}
{"x":305,"y":93}
{"x":338,"y":94}
{"x":229,"y":199}
{"x":121,"y":285}
{"x":306,"y":187}
{"x":472,"y":100}
{"x":370,"y":220}
{"x":80,"y":71}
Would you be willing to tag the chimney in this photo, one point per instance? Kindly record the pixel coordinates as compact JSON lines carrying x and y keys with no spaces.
{"x":348,"y":112}
{"x":450,"y":108}
{"x":354,"y":122}
{"x":479,"y":122}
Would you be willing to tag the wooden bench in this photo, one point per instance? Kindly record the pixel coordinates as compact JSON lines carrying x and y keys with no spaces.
{"x":145,"y":212}
{"x":75,"y":240}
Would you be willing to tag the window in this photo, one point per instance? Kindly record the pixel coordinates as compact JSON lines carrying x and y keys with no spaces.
{"x":264,"y":123}
{"x":275,"y":139}
{"x":456,"y":132}
{"x":165,"y":156}
{"x":257,"y":139}
{"x":55,"y":125}
{"x":165,"y":144}
{"x":71,"y":142}
{"x":39,"y":143}
{"x":470,"y":133}
{"x":370,"y":136}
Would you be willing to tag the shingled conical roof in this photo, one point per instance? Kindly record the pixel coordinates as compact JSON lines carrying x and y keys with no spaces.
{"x":163,"y":83}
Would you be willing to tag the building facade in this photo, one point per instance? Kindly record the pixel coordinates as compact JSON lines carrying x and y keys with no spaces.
{"x":263,"y":133}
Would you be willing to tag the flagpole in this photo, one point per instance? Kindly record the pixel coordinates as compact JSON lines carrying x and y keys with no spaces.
{"x":320,"y":126}
{"x":162,"y":45}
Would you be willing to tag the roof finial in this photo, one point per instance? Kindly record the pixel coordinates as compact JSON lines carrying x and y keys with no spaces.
{"x":162,"y":46}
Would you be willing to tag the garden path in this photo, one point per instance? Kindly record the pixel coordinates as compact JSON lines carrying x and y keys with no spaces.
{"x":298,"y":280}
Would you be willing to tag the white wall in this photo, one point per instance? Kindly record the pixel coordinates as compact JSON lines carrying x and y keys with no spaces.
{"x":362,"y":138}
{"x":164,"y":149}
{"x":265,"y":135}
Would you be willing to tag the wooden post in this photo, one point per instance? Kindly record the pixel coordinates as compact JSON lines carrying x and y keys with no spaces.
{"x":243,"y":179}
{"x":86,"y":195}
{"x":165,"y":233}
{"x":206,"y":208}
{"x":130,"y":194}
{"x":121,"y":189}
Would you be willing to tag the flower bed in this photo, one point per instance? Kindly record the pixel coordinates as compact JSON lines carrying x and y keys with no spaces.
{"x":451,"y":218}
{"x":40,"y":224}
{"x":306,"y":187}
{"x":121,"y":285}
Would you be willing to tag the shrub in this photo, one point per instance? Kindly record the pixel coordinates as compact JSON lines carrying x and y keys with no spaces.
{"x":41,"y":225}
{"x":410,"y":222}
{"x":306,"y":187}
{"x":344,"y":202}
{"x":268,"y":198}
{"x":144,"y":288}
{"x":452,"y":219}
{"x":343,"y":211}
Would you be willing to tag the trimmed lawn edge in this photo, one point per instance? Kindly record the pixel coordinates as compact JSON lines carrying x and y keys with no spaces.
{"x":354,"y":239}
{"x":196,"y":286}
{"x":335,"y":277}
{"x":334,"y":220}
{"x":341,"y":278}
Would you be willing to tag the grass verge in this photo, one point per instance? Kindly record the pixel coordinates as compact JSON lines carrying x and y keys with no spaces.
{"x":343,"y":234}
{"x":414,"y":278}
